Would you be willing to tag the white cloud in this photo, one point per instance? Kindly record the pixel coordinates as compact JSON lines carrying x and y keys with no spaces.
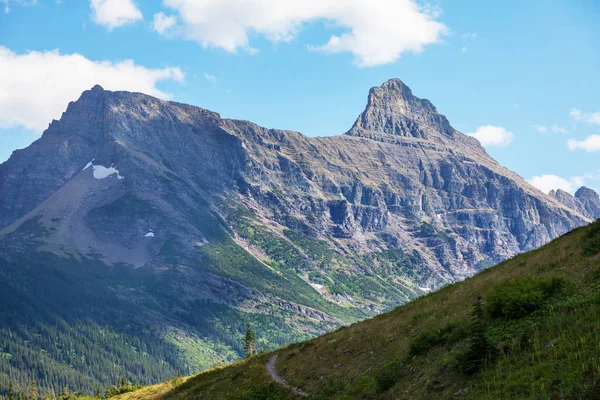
{"x":589,"y":117}
{"x":162,"y":22}
{"x":374,"y":31}
{"x":492,"y":136}
{"x":210,"y":78}
{"x":35,"y":87}
{"x":553,"y":128}
{"x":115,"y":13}
{"x":550,"y":182}
{"x":558,"y":129}
{"x":463,"y":49}
{"x":589,"y":144}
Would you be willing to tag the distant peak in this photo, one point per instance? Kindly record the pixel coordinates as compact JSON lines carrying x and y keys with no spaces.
{"x":585,"y":192}
{"x":97,"y":88}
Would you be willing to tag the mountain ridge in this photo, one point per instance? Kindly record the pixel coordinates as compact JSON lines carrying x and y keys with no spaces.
{"x":304,"y":234}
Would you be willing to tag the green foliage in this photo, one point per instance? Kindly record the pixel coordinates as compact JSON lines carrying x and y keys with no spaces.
{"x":123,"y":387}
{"x":447,"y":335}
{"x":591,"y":244}
{"x":389,"y":374}
{"x":60,"y":324}
{"x":271,"y":391}
{"x":519,"y":297}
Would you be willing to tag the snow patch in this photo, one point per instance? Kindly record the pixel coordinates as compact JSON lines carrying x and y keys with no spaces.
{"x":425,"y":289}
{"x":149,"y":234}
{"x":88,"y":164}
{"x":101,"y":172}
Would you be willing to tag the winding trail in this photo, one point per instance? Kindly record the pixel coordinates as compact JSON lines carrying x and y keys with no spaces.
{"x":272,"y":370}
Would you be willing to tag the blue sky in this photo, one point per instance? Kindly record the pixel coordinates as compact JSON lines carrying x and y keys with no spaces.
{"x":521,"y":75}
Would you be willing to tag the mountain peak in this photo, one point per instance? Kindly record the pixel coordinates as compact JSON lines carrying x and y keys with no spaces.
{"x":586,"y":193}
{"x":392,"y":109}
{"x":394,"y":85}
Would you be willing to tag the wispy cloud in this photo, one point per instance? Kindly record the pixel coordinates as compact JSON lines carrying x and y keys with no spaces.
{"x":210,"y":78}
{"x":163,"y":23}
{"x":553,"y":128}
{"x":589,"y":117}
{"x":20,"y":2}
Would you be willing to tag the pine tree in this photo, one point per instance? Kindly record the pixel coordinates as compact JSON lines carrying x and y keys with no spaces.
{"x":11,"y":392}
{"x":65,"y":395}
{"x":250,"y":342}
{"x":479,"y":350}
{"x":33,"y":394}
{"x":122,"y":382}
{"x":51,"y":395}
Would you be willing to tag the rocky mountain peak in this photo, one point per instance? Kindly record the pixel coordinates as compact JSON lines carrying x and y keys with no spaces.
{"x":586,"y":193}
{"x":585,"y":200}
{"x":392,"y":109}
{"x":589,"y":201}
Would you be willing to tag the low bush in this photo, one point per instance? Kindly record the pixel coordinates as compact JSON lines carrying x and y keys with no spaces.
{"x":591,"y":244}
{"x":389,"y":374}
{"x":449,"y":334}
{"x":518,"y":298}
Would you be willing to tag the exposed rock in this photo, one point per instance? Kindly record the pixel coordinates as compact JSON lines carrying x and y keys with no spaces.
{"x":585,"y":201}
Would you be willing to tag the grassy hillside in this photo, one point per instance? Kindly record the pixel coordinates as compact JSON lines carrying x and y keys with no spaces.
{"x":536,"y":335}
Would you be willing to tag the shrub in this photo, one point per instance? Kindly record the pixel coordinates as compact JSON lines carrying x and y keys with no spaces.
{"x":519,"y":297}
{"x":389,"y":374}
{"x":591,"y":243}
{"x":449,"y":334}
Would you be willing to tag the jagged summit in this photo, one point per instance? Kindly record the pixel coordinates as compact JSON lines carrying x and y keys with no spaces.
{"x":585,"y":200}
{"x":392,"y":109}
{"x":586,"y":193}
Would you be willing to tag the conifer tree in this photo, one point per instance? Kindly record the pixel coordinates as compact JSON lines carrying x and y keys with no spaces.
{"x":33,"y":394}
{"x":65,"y":395}
{"x":250,"y":342}
{"x":479,"y":350}
{"x":11,"y":392}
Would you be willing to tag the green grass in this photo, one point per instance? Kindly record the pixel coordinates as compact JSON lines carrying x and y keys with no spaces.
{"x":541,"y":319}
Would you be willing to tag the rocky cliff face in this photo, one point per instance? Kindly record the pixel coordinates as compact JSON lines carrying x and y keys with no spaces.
{"x":317,"y":231}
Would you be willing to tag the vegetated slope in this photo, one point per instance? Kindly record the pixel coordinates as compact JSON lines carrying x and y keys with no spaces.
{"x":171,"y":228}
{"x":540,"y":321}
